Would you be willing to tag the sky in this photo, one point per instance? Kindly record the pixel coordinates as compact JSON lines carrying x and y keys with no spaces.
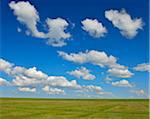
{"x":74,"y":49}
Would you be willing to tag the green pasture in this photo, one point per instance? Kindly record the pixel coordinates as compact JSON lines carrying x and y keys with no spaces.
{"x":15,"y":108}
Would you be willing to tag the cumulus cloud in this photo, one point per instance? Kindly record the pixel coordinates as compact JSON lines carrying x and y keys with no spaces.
{"x":28,"y":15}
{"x":26,"y":80}
{"x":108,"y":78}
{"x":122,"y":73}
{"x":27,"y":89}
{"x":22,"y":76}
{"x":98,"y":58}
{"x":82,"y":73}
{"x":5,"y":66}
{"x":142,"y":67}
{"x":121,"y":83}
{"x":32,"y":77}
{"x":56,"y":33}
{"x":122,"y":20}
{"x":140,"y":92}
{"x":61,"y":81}
{"x":49,"y":90}
{"x":92,"y":88}
{"x":31,"y":72}
{"x":3,"y":82}
{"x":21,"y":80}
{"x":94,"y":27}
{"x":34,"y":73}
{"x":94,"y":57}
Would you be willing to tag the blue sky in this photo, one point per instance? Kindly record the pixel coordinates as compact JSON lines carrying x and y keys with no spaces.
{"x":73,"y":49}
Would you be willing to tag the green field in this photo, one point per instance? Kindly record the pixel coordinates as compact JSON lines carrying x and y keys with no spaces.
{"x":73,"y":109}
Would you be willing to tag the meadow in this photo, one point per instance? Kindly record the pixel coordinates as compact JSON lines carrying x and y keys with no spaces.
{"x":15,"y":108}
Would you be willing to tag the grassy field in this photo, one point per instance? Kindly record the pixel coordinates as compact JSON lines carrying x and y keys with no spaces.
{"x":73,"y":109}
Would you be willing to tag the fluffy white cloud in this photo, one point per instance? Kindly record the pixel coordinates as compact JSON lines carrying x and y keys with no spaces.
{"x":25,"y":78}
{"x":56,"y":33}
{"x":3,"y":82}
{"x":5,"y":66}
{"x":82,"y":73}
{"x":108,"y":78}
{"x":22,"y":80}
{"x":16,"y":70}
{"x":94,"y":57}
{"x":49,"y":90}
{"x":138,"y":92}
{"x":122,"y":20}
{"x":55,"y":81}
{"x":122,"y":73}
{"x":31,"y":76}
{"x":122,"y":83}
{"x":34,"y":73}
{"x":31,"y":72}
{"x":94,"y":27}
{"x":27,"y":89}
{"x":142,"y":67}
{"x":98,"y":58}
{"x":27,"y":14}
{"x":60,"y":81}
{"x":92,"y":88}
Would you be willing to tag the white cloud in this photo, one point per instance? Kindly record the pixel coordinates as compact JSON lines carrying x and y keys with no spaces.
{"x":31,"y":72}
{"x":3,"y":82}
{"x":77,"y":58}
{"x":16,"y":70}
{"x":27,"y":89}
{"x":108,"y":79}
{"x":92,"y":88}
{"x":60,"y":81}
{"x":24,"y":77}
{"x":82,"y":73}
{"x":55,"y":81}
{"x":122,"y":73}
{"x":28,"y":15}
{"x":94,"y":57}
{"x":49,"y":90}
{"x":31,"y":77}
{"x":94,"y":27}
{"x":122,"y":20}
{"x":98,"y":58}
{"x":34,"y":73}
{"x":5,"y":66}
{"x":122,"y":83}
{"x":22,"y":80}
{"x":56,"y":33}
{"x":106,"y":93}
{"x":138,"y":92}
{"x":142,"y":67}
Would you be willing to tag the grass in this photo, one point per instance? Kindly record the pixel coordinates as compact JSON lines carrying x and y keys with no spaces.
{"x":15,"y":108}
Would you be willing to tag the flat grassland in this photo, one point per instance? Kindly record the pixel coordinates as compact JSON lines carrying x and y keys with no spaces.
{"x":15,"y":108}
